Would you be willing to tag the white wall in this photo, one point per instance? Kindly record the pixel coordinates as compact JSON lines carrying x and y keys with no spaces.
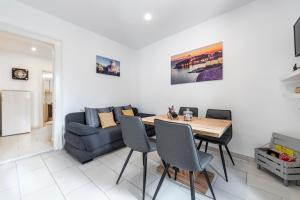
{"x":36,"y":66}
{"x":258,"y":49}
{"x":81,"y":86}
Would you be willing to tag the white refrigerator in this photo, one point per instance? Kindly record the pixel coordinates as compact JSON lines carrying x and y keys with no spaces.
{"x":15,"y":112}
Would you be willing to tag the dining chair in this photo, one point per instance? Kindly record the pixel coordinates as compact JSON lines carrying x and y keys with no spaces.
{"x":135,"y":137}
{"x":177,"y":147}
{"x":193,"y":109}
{"x":223,"y":140}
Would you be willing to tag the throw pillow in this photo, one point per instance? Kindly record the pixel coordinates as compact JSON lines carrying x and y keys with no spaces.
{"x":107,"y":120}
{"x":128,"y":112}
{"x":118,"y":112}
{"x":91,"y":116}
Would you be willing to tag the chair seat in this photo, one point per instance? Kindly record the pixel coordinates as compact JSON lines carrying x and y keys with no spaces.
{"x":152,"y":143}
{"x":204,"y":159}
{"x":224,"y":139}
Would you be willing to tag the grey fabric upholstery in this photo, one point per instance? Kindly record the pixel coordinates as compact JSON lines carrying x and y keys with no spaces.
{"x":134,"y":134}
{"x":176,"y":146}
{"x":118,"y":112}
{"x":81,"y":129}
{"x":81,"y":143}
{"x":103,"y":137}
{"x":78,"y":117}
{"x":91,"y":115}
{"x":223,"y":140}
{"x":193,"y":109}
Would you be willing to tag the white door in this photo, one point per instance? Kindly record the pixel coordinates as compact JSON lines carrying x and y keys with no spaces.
{"x":16,"y":109}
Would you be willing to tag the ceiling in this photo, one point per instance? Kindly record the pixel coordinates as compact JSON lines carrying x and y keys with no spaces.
{"x":19,"y":44}
{"x":122,"y":20}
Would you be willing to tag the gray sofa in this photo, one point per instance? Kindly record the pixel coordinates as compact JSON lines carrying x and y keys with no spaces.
{"x":85,"y":142}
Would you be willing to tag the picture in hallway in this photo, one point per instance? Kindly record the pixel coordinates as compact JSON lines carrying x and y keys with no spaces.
{"x":203,"y":64}
{"x":107,"y":66}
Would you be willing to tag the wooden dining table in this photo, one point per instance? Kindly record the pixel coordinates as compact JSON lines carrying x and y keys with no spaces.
{"x":202,"y":126}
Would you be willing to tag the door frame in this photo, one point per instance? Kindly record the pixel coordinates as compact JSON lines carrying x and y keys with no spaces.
{"x":57,"y":129}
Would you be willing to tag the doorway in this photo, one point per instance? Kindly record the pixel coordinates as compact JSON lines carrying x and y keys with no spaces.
{"x":44,"y":134}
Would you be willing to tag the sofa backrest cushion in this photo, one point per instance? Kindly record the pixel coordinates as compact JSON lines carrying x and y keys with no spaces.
{"x":118,"y":112}
{"x":91,"y":115}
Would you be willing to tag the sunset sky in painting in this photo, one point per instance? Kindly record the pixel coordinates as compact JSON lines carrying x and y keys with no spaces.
{"x":196,"y":52}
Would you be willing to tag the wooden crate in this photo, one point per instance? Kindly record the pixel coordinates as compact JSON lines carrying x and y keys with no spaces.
{"x":288,"y":171}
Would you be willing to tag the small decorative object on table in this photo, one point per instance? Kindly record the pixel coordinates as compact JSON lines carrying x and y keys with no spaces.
{"x":281,"y":157}
{"x":295,"y":68}
{"x":187,"y":115}
{"x":172,"y":113}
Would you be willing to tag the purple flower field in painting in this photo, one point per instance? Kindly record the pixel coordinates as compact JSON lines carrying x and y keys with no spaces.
{"x":211,"y":74}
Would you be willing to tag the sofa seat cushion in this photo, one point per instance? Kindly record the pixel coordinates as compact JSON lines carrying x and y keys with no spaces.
{"x":103,"y":137}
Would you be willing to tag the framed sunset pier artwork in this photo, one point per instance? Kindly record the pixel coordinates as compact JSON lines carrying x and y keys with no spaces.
{"x":107,"y":66}
{"x":203,"y":64}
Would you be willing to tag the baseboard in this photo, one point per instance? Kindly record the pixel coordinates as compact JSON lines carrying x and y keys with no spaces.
{"x":239,"y":156}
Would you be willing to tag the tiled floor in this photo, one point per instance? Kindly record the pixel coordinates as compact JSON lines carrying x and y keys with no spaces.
{"x":16,"y":146}
{"x":57,"y":176}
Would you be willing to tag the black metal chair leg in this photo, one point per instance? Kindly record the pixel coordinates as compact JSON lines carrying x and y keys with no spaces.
{"x":143,"y":159}
{"x":199,"y":145}
{"x":192,"y":185}
{"x":206,"y":147}
{"x":161,"y":181}
{"x":176,"y":172}
{"x":145,"y":174}
{"x":229,"y":154}
{"x":165,"y":165}
{"x":124,"y":166}
{"x":223,"y":161}
{"x":208,"y":183}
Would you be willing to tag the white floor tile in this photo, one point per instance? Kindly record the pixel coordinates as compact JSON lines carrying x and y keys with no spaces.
{"x":97,"y":180}
{"x":70,"y":179}
{"x":34,"y":181}
{"x":125,"y":191}
{"x":257,"y":194}
{"x":236,"y":184}
{"x":112,"y":161}
{"x":8,"y":176}
{"x":87,"y":192}
{"x":49,"y":193}
{"x":102,"y":176}
{"x":30,"y":164}
{"x":134,"y":175}
{"x":59,"y":162}
{"x":169,"y":190}
{"x":17,"y":146}
{"x":10,"y":194}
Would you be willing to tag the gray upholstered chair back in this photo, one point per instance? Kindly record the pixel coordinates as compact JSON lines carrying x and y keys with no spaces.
{"x":193,"y":109}
{"x":134,"y":133}
{"x":176,"y":145}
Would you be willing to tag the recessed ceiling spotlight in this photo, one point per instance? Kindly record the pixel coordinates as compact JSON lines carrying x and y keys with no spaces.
{"x":33,"y":48}
{"x":148,"y":16}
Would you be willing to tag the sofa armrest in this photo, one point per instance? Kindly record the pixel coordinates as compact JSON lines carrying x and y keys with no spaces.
{"x":143,"y":115}
{"x":81,"y":129}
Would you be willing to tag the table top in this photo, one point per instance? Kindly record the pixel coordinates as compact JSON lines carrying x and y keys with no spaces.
{"x":200,"y":125}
